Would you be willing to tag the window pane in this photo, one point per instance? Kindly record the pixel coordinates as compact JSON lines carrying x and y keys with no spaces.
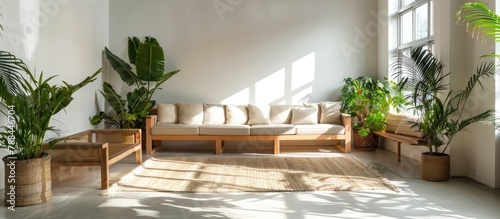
{"x":421,"y":22}
{"x":406,"y":2}
{"x":406,"y":27}
{"x":431,"y":17}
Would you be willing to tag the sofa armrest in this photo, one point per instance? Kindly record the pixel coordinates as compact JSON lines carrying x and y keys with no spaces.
{"x":151,"y":120}
{"x":346,"y":119}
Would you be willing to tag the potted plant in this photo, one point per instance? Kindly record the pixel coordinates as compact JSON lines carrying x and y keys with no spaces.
{"x":149,"y":62}
{"x":369,"y":101}
{"x":440,"y":111}
{"x":29,"y":105}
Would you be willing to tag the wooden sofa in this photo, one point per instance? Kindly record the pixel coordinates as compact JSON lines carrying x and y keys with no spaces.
{"x":294,"y":123}
{"x":102,"y":148}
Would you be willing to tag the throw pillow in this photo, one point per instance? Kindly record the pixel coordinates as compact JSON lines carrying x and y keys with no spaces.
{"x":281,"y":114}
{"x":190,"y":113}
{"x":317,"y":107}
{"x":303,"y":115}
{"x":392,"y":122}
{"x":167,"y":113}
{"x":236,"y":114}
{"x":259,"y":114}
{"x":405,"y":127}
{"x":214,"y":114}
{"x":330,"y":113}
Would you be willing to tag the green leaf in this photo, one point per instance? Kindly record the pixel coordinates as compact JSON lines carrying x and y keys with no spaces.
{"x":364,"y":132}
{"x":122,"y":68}
{"x":114,"y":99}
{"x":138,"y":102}
{"x":133,"y":46}
{"x":150,"y":62}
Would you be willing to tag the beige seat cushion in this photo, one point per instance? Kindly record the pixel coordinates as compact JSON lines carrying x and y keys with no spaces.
{"x":303,"y":115}
{"x":225,"y":130}
{"x":167,"y":113}
{"x":174,"y":129}
{"x":259,"y":114}
{"x":405,"y":127}
{"x":326,"y":129}
{"x":214,"y":114}
{"x":190,"y":113}
{"x":236,"y":114}
{"x":273,"y":129}
{"x":281,"y":114}
{"x":330,"y":113}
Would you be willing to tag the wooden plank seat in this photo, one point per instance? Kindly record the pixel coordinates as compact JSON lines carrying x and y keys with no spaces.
{"x":413,"y":141}
{"x":98,"y":148}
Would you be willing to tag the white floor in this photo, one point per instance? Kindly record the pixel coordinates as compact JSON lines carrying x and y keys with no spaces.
{"x":76,"y":194}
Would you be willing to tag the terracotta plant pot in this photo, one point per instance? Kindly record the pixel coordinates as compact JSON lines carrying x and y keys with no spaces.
{"x":435,"y":167}
{"x":27,"y":182}
{"x":367,"y":143}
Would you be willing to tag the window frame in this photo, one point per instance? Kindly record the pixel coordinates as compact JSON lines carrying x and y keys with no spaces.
{"x":429,"y":40}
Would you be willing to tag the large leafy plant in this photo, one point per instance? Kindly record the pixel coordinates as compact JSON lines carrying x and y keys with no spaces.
{"x":441,"y":112}
{"x":29,"y":110}
{"x":369,"y":101}
{"x":149,"y":74}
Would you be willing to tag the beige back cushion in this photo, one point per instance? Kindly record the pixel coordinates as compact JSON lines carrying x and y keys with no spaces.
{"x":392,"y":122}
{"x":281,"y":114}
{"x":304,"y":115}
{"x":330,"y":113}
{"x":190,"y":113}
{"x":214,"y":114}
{"x":236,"y":114}
{"x":259,"y":114}
{"x":405,"y":127}
{"x":317,"y":107}
{"x":167,"y":113}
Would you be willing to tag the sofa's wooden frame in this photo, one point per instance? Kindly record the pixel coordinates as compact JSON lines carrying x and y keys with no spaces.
{"x":91,"y":148}
{"x":219,"y":139}
{"x":412,"y":141}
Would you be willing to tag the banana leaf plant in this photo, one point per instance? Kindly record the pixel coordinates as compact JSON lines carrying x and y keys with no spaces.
{"x":149,"y":75}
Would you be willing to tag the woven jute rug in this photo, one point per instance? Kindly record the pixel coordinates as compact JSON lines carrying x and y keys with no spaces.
{"x":246,"y":174}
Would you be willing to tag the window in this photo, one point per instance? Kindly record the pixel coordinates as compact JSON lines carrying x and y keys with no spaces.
{"x":415,"y":22}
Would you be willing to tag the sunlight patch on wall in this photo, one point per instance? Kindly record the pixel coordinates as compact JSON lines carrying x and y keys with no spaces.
{"x":242,"y":97}
{"x":29,"y":16}
{"x":303,"y":71}
{"x":270,"y":88}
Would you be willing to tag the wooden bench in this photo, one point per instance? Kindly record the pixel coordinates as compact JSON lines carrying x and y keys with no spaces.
{"x":98,"y":148}
{"x":414,"y":141}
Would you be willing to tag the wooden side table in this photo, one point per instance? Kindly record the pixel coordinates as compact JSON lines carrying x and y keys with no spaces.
{"x":98,"y":147}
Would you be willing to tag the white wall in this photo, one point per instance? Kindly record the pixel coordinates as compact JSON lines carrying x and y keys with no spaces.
{"x":59,"y":37}
{"x":250,"y":51}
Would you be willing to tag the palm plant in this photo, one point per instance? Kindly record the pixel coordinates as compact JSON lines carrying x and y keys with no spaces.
{"x":30,"y":112}
{"x":441,"y":113}
{"x":479,"y":21}
{"x":150,"y":73}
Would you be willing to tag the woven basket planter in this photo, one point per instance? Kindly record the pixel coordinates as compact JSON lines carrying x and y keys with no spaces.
{"x":367,"y":143}
{"x":435,"y":168}
{"x":32,"y":181}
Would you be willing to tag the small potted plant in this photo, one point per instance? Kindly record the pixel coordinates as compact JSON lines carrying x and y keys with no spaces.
{"x":369,"y":101}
